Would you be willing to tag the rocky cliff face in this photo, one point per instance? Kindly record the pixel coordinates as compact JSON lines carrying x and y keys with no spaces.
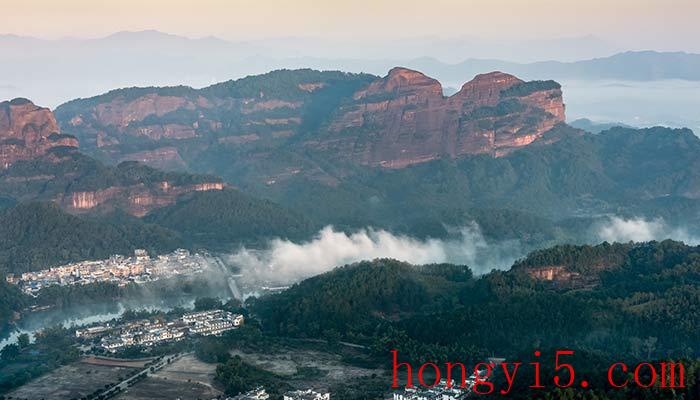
{"x":182,"y":123}
{"x":404,"y":119}
{"x":138,"y":200}
{"x":27,"y":132}
{"x":395,"y":121}
{"x":40,"y":163}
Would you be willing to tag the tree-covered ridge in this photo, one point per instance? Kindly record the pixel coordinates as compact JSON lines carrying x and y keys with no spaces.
{"x":217,"y":219}
{"x":35,"y":236}
{"x":578,"y":258}
{"x":651,"y":172}
{"x":11,"y":302}
{"x":75,"y":172}
{"x":127,"y":94}
{"x":652,"y":297}
{"x":527,"y":88}
{"x":283,"y":84}
{"x":275,"y":108}
{"x":353,"y":299}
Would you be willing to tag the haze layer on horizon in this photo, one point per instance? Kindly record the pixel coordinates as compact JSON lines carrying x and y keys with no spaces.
{"x":630,"y":24}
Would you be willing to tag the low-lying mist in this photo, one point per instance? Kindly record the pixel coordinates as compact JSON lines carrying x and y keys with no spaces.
{"x":283,"y":261}
{"x":616,"y":229}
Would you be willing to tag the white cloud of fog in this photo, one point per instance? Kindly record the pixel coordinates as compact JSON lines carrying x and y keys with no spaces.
{"x":283,"y":261}
{"x":617,"y":229}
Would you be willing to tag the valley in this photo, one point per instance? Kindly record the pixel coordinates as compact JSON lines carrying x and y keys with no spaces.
{"x":341,"y":216}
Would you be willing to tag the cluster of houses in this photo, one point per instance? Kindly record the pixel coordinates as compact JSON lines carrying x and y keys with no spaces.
{"x":149,"y":333}
{"x":441,"y":391}
{"x":307,"y":395}
{"x":259,"y":393}
{"x":117,"y":269}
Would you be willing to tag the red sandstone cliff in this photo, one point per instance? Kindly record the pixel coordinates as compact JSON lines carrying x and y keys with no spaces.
{"x":395,"y":121}
{"x":139,"y":199}
{"x":27,"y":132}
{"x":404,"y":119}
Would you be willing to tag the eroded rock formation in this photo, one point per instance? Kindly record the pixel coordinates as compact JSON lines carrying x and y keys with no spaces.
{"x":78,"y":183}
{"x":404,"y":119}
{"x":28,"y":131}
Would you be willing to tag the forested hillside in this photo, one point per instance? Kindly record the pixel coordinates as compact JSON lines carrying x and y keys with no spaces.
{"x":38,"y":235}
{"x":219,"y":219}
{"x":11,"y":302}
{"x":642,"y":305}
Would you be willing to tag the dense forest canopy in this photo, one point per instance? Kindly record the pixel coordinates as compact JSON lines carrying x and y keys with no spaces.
{"x":645,"y":291}
{"x":38,"y":235}
{"x":217,"y":219}
{"x":642,"y":308}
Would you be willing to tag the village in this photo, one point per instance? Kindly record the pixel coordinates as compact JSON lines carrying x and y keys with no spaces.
{"x":118,"y":269}
{"x":148,"y":333}
{"x":261,"y":394}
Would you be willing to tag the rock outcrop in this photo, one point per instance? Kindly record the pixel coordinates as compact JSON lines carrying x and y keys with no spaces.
{"x":138,"y":200}
{"x":393,"y":122}
{"x":27,"y":132}
{"x":55,"y":170}
{"x":404,"y":119}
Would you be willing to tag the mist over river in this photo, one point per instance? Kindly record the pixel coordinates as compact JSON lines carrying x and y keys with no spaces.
{"x":33,"y":322}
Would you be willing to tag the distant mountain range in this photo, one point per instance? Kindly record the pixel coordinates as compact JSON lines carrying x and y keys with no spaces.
{"x":55,"y":71}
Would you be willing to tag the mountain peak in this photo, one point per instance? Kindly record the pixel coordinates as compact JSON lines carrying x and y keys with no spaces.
{"x":28,"y":131}
{"x":486,"y":89}
{"x":403,"y":81}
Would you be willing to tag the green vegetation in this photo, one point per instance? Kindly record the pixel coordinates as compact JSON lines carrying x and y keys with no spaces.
{"x":284,"y":84}
{"x":38,"y":235}
{"x":19,"y":101}
{"x":76,"y":172}
{"x":11,"y":302}
{"x":627,"y":172}
{"x":527,"y":88}
{"x":126,"y":95}
{"x":21,"y":362}
{"x":642,"y":306}
{"x":219,"y":218}
{"x":351,"y":300}
{"x":238,"y":377}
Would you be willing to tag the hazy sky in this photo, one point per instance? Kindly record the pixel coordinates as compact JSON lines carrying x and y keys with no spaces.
{"x":647,"y":23}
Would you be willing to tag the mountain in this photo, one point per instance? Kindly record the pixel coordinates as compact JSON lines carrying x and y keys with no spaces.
{"x":31,"y":233}
{"x":55,"y":71}
{"x":40,"y":163}
{"x":634,"y":302}
{"x":216,"y":219}
{"x":627,"y":66}
{"x":174,"y":126}
{"x":27,"y":132}
{"x":412,"y":122}
{"x":405,"y":114}
{"x":596,"y":127}
{"x":356,"y":150}
{"x":55,"y":197}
